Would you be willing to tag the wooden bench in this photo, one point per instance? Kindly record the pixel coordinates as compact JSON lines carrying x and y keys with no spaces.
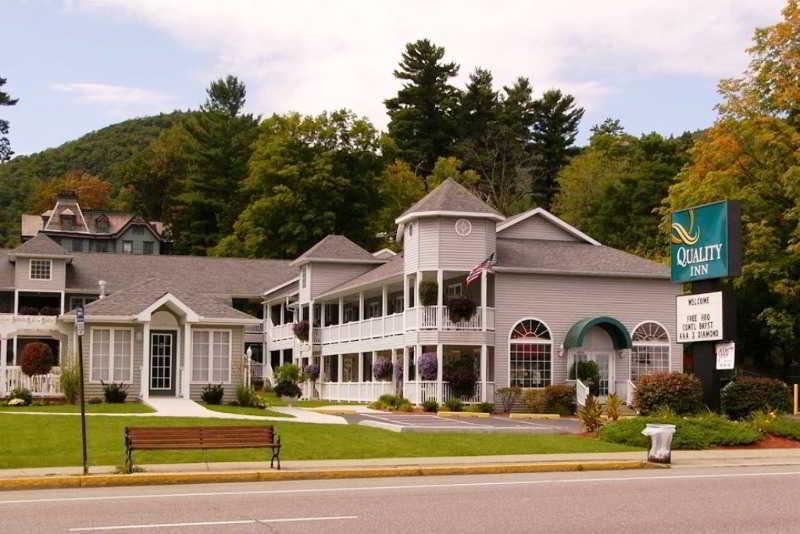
{"x":152,"y":438}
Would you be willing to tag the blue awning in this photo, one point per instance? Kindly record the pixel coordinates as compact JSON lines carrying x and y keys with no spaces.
{"x":619,"y":334}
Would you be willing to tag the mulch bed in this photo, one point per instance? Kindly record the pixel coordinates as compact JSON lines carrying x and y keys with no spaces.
{"x":770,"y":441}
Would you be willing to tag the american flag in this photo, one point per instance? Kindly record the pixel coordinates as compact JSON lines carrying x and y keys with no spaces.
{"x":485,"y":265}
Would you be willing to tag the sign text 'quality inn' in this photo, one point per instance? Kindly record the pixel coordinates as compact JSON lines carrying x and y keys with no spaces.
{"x":705,"y":243}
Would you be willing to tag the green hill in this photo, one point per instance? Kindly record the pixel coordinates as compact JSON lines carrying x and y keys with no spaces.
{"x":100,"y":152}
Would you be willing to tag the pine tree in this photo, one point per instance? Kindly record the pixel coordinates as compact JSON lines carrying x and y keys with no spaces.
{"x":555,"y":127}
{"x":5,"y":144}
{"x":421,"y":116}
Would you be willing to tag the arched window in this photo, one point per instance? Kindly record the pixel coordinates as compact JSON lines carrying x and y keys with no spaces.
{"x":530,"y":350}
{"x":650,"y":352}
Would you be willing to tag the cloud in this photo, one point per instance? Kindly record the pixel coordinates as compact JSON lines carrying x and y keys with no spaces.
{"x":116,"y":99}
{"x":310,"y":56}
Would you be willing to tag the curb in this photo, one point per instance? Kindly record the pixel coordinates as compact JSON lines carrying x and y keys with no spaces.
{"x":145,"y":479}
{"x":534,"y":416}
{"x":463,"y":414}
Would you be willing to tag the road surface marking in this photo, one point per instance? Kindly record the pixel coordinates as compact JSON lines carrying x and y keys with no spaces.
{"x":213,"y":523}
{"x":401,"y":487}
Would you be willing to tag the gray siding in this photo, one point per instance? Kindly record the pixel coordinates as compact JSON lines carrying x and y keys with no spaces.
{"x":138,"y":240}
{"x":537,"y":227}
{"x":237,"y":350}
{"x":440,"y":247}
{"x":22,"y":281}
{"x":561,"y":301}
{"x":326,"y":276}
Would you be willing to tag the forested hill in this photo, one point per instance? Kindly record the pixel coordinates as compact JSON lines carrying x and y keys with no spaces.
{"x":99,"y":153}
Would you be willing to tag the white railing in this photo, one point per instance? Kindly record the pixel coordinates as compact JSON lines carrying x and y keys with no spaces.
{"x":630,"y":393}
{"x":39,"y":385}
{"x":374,"y":327}
{"x":281,"y":332}
{"x":474,"y":323}
{"x":354,"y":391}
{"x":428,"y":391}
{"x":581,"y":393}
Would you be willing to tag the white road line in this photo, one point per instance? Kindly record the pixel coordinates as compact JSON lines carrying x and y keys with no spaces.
{"x":212,"y":523}
{"x":654,"y":477}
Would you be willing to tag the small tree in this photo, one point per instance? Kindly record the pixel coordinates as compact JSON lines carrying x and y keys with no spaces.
{"x":37,"y":359}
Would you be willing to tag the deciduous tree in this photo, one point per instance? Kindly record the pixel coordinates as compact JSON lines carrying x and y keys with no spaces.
{"x":93,"y":192}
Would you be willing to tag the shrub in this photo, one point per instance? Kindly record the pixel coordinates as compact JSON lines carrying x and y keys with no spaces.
{"x":461,"y":309}
{"x":430,"y":405}
{"x":70,"y":383}
{"x":534,"y":400}
{"x":212,"y":394}
{"x":382,"y":369}
{"x":746,"y":395}
{"x":258,"y":383}
{"x":461,"y":375}
{"x":681,"y":393}
{"x":560,"y":399}
{"x":300,"y":330}
{"x":508,"y":396}
{"x":22,"y":394}
{"x":454,"y":405}
{"x":246,"y":396}
{"x":429,"y":293}
{"x":115,"y":393}
{"x":591,"y":414}
{"x":37,"y":359}
{"x":783,"y":426}
{"x":587,"y":372}
{"x":405,"y":406}
{"x":613,"y":407}
{"x":691,"y":433}
{"x":486,"y":407}
{"x":287,"y":372}
{"x":311,"y":372}
{"x":428,"y":366}
{"x":377,"y":405}
{"x":288,"y":389}
{"x":95,"y":400}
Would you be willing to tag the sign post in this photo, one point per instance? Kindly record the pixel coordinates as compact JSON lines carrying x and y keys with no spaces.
{"x":705,"y":248}
{"x":80,"y":327}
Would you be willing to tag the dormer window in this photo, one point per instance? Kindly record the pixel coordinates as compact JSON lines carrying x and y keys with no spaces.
{"x":40,"y":269}
{"x":67,"y":221}
{"x":101,"y":223}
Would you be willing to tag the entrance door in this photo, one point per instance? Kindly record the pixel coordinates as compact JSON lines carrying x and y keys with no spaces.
{"x":605,"y":363}
{"x":162,"y":363}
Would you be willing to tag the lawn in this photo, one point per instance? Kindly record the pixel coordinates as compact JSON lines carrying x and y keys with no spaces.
{"x":270,"y":399}
{"x":245,"y":410}
{"x":41,"y":441}
{"x":126,"y":407}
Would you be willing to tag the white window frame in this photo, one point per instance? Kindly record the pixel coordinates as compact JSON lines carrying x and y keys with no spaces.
{"x":667,"y":344}
{"x":211,"y":332}
{"x":455,"y":289}
{"x":127,"y":242}
{"x":550,"y":342}
{"x":41,"y":261}
{"x":110,"y":377}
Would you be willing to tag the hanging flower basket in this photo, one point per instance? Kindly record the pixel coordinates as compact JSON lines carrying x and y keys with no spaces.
{"x":427,"y":366}
{"x":311,"y":372}
{"x":461,"y":309}
{"x":428,"y":293}
{"x":382,"y":370}
{"x":300,"y":330}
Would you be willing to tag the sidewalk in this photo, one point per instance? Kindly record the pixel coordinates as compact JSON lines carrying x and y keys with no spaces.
{"x":680,"y":459}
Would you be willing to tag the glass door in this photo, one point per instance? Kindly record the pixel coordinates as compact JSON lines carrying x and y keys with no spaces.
{"x":162,"y":363}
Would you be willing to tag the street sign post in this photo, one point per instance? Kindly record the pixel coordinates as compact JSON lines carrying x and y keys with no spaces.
{"x":80,"y":327}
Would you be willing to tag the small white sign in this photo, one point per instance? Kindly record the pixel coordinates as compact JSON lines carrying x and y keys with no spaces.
{"x":699,"y":317}
{"x":726,"y":356}
{"x":80,"y":321}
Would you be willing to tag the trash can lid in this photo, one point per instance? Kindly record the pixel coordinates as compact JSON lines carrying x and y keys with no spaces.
{"x":660,"y":426}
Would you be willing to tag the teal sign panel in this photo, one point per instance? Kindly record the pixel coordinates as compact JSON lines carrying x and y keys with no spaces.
{"x":705,"y":242}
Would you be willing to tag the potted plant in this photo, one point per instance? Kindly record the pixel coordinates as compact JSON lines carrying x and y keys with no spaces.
{"x":301,"y":330}
{"x":461,"y":309}
{"x":287,"y":376}
{"x":37,"y":359}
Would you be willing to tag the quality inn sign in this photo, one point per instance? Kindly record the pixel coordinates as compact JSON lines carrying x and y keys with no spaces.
{"x":706,"y":242}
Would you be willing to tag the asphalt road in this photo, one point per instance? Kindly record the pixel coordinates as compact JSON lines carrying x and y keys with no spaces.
{"x":730,"y":500}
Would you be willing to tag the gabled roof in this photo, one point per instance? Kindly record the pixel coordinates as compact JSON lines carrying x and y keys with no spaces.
{"x":337,"y":249}
{"x":40,"y":246}
{"x":140,"y":297}
{"x":287,"y":289}
{"x":449,"y":198}
{"x":572,"y":258}
{"x":391,"y":269}
{"x":541,"y":212}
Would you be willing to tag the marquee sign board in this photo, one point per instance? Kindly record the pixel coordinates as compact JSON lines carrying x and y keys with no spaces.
{"x":706,"y":242}
{"x":700,"y":317}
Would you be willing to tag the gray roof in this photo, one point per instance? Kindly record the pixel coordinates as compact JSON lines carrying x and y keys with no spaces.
{"x":390,"y":269}
{"x":336,"y":248}
{"x":136,"y":298}
{"x":40,"y":245}
{"x":451,"y":196}
{"x":286,"y":291}
{"x":567,"y":257}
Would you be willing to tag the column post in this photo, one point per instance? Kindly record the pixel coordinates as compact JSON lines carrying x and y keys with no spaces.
{"x":384,"y":305}
{"x":361,"y":315}
{"x":361,"y":367}
{"x":187,"y":360}
{"x":439,"y":373}
{"x":405,"y":300}
{"x":484,"y":278}
{"x":340,"y":368}
{"x":417,"y":354}
{"x":341,"y":310}
{"x":417,"y":303}
{"x":311,"y":323}
{"x":322,"y":314}
{"x":405,"y":370}
{"x":440,"y":300}
{"x":3,"y":356}
{"x":145,"y":378}
{"x":484,"y":373}
{"x":16,"y":302}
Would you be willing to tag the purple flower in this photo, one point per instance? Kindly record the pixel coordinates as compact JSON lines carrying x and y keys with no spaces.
{"x":427,"y":365}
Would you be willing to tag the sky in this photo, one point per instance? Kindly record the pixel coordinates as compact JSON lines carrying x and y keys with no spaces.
{"x":80,"y":65}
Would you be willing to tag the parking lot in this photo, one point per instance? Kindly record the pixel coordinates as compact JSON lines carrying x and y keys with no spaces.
{"x":434,"y":423}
